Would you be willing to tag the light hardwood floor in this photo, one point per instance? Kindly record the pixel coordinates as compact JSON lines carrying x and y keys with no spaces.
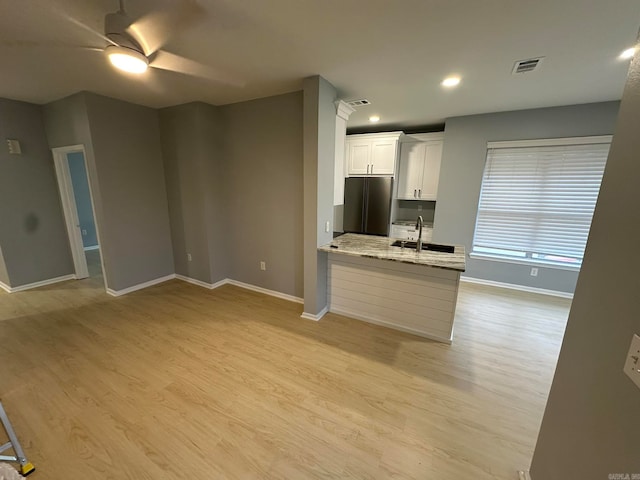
{"x":179,"y":382}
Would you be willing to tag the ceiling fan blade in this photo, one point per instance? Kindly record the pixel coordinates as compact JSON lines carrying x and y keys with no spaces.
{"x":175,"y":63}
{"x":48,"y":45}
{"x":87,"y":28}
{"x":153,"y":30}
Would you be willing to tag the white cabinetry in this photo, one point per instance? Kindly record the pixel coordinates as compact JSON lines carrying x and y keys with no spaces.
{"x":420,"y":158}
{"x":372,"y":154}
{"x":342,"y":115}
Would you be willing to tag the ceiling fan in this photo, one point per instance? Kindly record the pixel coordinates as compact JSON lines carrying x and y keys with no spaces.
{"x":134,"y":45}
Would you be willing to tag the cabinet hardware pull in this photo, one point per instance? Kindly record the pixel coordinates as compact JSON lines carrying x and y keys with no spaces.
{"x":371,"y":169}
{"x":367,"y":169}
{"x":419,"y":192}
{"x":414,"y":193}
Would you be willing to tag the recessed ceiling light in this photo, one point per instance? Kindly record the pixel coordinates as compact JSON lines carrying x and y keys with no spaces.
{"x":628,"y":53}
{"x":127,"y":59}
{"x":451,"y":81}
{"x":374,"y":118}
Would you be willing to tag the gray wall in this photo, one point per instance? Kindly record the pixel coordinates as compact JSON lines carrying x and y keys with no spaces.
{"x":193,"y":160}
{"x":319,"y":163}
{"x":4,"y":276}
{"x":592,"y":419}
{"x":82,"y":196}
{"x":66,"y":124}
{"x":216,"y":194}
{"x":409,"y":210}
{"x":33,"y":235}
{"x":263,"y":158}
{"x":135,"y":236}
{"x":464,"y":155}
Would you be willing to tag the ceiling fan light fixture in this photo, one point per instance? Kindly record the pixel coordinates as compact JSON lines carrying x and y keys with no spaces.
{"x":450,"y":82}
{"x":628,"y":53}
{"x":127,"y":59}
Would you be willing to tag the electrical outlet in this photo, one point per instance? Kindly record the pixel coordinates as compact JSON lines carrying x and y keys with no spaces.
{"x":534,"y":272}
{"x":84,"y":232}
{"x":188,"y":257}
{"x":263,"y":265}
{"x":419,"y":208}
{"x":632,"y":365}
{"x":327,"y":226}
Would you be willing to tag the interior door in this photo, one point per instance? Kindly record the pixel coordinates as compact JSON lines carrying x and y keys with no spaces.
{"x":70,"y":211}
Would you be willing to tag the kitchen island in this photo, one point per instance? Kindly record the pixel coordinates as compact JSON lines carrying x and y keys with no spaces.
{"x":415,"y":292}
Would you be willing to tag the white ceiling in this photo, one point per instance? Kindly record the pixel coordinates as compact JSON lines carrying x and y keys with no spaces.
{"x":394,"y":53}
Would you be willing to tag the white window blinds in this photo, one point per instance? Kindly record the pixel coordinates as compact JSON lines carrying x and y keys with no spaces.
{"x":537,"y":199}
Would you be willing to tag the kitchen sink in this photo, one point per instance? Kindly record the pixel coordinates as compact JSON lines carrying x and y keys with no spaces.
{"x":433,"y":247}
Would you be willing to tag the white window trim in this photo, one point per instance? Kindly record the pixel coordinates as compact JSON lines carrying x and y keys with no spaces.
{"x":523,"y":261}
{"x":551,"y":142}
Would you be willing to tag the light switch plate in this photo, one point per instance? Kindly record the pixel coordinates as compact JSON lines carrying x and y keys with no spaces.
{"x":632,"y":365}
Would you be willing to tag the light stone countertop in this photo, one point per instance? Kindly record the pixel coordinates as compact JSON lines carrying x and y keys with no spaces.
{"x":371,"y":246}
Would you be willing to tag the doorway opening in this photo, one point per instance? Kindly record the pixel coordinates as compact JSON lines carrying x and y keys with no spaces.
{"x":79,"y":212}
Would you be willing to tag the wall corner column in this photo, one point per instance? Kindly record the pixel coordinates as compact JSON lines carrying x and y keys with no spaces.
{"x":319,"y":130}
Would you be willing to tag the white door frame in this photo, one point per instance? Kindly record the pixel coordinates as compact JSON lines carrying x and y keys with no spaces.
{"x":71,"y":211}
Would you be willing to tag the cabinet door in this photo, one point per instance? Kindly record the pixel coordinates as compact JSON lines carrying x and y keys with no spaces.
{"x":359,"y":155}
{"x":431,"y":173}
{"x":411,"y":166}
{"x":383,"y":156}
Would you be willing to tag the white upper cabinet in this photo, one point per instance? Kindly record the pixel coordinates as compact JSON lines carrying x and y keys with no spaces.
{"x":372,"y":154}
{"x":419,"y":170}
{"x":358,"y":157}
{"x":431,"y":173}
{"x":383,"y":156}
{"x":411,"y":168}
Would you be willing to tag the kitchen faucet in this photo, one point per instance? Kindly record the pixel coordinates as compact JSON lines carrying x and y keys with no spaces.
{"x":419,"y":226}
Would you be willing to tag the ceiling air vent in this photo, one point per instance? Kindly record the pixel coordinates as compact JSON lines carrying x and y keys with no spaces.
{"x":526,"y":66}
{"x":359,"y":103}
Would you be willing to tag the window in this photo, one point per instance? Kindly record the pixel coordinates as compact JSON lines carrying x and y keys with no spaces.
{"x":537,"y":200}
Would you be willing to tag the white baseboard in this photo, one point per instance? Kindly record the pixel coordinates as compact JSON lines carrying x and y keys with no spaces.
{"x":512,"y":286}
{"x":266,"y":291}
{"x":315,"y":317}
{"x":41,"y":283}
{"x":140,"y":286}
{"x":524,"y":475}
{"x":92,"y":247}
{"x":364,"y":318}
{"x":5,"y":287}
{"x":200,"y":283}
{"x":248,"y":286}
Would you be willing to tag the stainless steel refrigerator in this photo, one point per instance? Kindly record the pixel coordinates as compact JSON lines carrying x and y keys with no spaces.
{"x":367,"y":205}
